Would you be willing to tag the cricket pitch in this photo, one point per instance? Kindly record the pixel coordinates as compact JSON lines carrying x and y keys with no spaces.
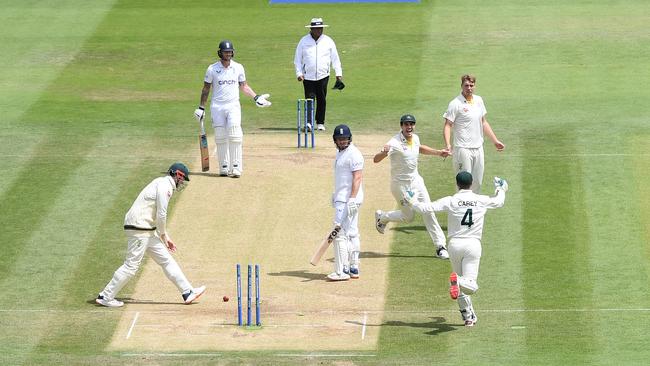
{"x":275,"y":215}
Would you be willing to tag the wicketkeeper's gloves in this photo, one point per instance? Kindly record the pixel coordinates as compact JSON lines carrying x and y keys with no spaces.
{"x":500,"y":184}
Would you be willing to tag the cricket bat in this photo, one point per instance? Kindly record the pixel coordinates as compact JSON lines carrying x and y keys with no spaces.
{"x":205,"y":155}
{"x":324,"y":245}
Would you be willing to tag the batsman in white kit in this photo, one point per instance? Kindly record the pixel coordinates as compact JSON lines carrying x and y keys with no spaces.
{"x":466,"y":211}
{"x":226,"y":78}
{"x":346,"y":199}
{"x":404,"y":150}
{"x":145,"y":225}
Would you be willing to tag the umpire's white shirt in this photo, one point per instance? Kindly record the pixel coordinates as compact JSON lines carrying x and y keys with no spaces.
{"x":466,"y":211}
{"x":347,"y":161}
{"x":313,"y":58}
{"x":466,"y":118}
{"x":149,"y":211}
{"x":225,"y":81}
{"x":403,"y":158}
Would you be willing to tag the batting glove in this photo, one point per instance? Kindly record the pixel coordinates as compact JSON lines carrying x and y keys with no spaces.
{"x":260,"y":100}
{"x":353,"y":207}
{"x":500,"y":184}
{"x":199,"y":113}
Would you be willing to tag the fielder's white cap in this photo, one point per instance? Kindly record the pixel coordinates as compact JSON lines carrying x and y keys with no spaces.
{"x":317,"y":23}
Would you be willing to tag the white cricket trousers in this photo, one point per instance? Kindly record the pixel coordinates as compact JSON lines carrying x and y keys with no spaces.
{"x":350,"y":227}
{"x":406,"y":213}
{"x":470,"y":160}
{"x":465,"y":257}
{"x":139,"y":242}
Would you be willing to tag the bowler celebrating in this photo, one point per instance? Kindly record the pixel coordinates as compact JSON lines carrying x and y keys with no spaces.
{"x":465,"y":115}
{"x":404,"y":150}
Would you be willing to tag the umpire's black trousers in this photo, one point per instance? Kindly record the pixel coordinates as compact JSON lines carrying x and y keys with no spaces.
{"x":317,"y":89}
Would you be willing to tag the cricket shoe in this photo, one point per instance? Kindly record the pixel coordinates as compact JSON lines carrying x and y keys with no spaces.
{"x":320,"y":127}
{"x":223,"y":172}
{"x":338,"y":277}
{"x":236,"y":173}
{"x":110,"y":303}
{"x":307,"y":128}
{"x":442,"y":253}
{"x":454,"y":291}
{"x":354,"y":272}
{"x":469,"y":317}
{"x":193,"y":294}
{"x":380,"y":226}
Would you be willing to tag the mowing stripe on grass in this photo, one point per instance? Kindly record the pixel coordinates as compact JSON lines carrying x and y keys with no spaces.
{"x":100,"y":253}
{"x":42,"y":181}
{"x":86,"y":190}
{"x":556,"y":244}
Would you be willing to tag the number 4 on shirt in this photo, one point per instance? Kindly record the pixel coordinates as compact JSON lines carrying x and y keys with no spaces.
{"x":467,"y":218}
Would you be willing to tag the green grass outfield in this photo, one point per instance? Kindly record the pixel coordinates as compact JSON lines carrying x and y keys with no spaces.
{"x":97,"y":99}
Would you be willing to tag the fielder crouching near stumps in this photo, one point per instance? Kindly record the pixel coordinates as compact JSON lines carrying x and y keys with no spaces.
{"x":465,"y":210}
{"x":346,"y":199}
{"x":145,"y":225}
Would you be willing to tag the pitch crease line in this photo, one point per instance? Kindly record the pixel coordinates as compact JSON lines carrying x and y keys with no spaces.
{"x":170,"y":354}
{"x":322,"y":355}
{"x":363,"y":328}
{"x":135,"y":319}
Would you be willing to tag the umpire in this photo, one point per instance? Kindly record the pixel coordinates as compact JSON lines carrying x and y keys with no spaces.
{"x":314,"y":55}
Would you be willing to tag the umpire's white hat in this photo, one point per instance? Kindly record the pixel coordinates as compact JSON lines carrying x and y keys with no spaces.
{"x":317,"y":23}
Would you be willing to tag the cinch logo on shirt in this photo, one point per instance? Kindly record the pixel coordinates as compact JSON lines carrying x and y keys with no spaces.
{"x":226,"y":82}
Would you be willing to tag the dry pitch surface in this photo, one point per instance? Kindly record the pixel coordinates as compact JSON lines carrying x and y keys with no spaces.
{"x":275,"y":215}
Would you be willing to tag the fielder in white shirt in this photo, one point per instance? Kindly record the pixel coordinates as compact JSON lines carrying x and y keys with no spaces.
{"x":346,"y":199}
{"x":145,"y":225}
{"x":466,"y":211}
{"x":226,"y":78}
{"x":404,"y":150}
{"x":314,"y":55}
{"x":465,"y":115}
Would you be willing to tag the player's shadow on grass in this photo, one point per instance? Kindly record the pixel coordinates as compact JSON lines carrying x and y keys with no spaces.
{"x":207,"y":174}
{"x":374,"y":255}
{"x":278,"y":128}
{"x":129,"y":300}
{"x":412,"y":228}
{"x":306,"y":276}
{"x":437,"y":326}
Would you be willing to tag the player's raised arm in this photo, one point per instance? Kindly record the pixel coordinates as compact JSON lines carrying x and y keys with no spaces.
{"x":382,"y":154}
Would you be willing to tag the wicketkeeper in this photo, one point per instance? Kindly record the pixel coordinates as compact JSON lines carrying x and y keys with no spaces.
{"x":465,"y":210}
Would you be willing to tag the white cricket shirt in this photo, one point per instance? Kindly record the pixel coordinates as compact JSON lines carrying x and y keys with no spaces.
{"x":225,"y":81}
{"x":347,"y":161}
{"x":149,"y":211}
{"x":466,"y":118}
{"x":404,"y":157}
{"x":313,"y":58}
{"x":466,"y":211}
